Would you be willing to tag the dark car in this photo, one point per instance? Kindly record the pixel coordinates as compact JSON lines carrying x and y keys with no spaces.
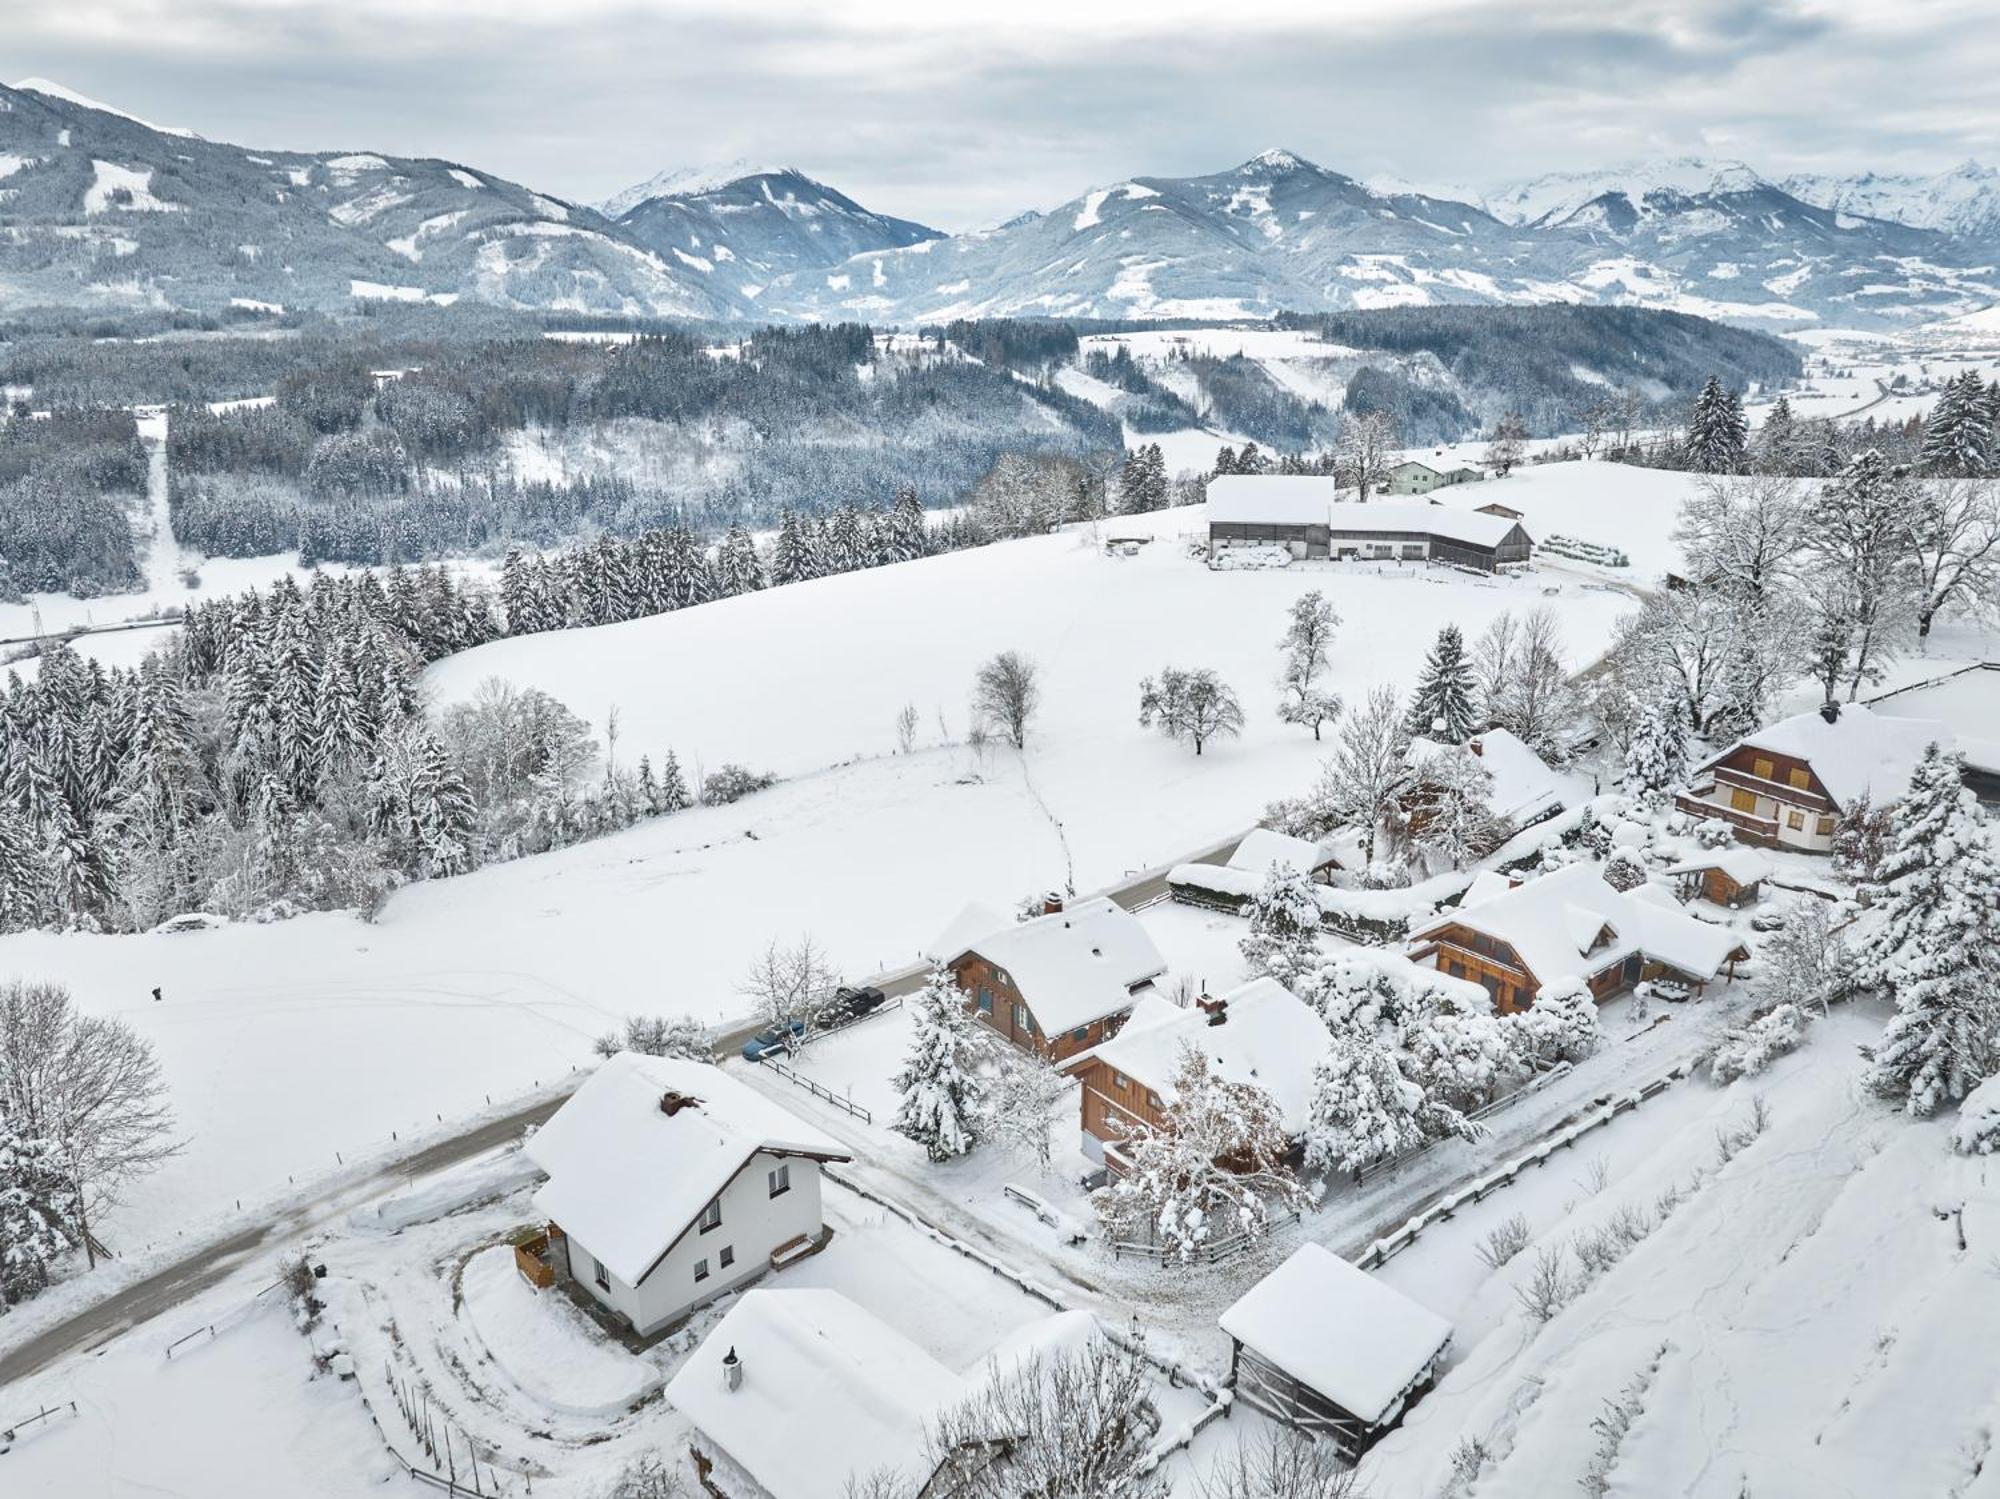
{"x":849,"y":1004}
{"x":772,"y":1041}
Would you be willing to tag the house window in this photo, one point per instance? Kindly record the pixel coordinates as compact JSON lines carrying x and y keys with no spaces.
{"x":1120,"y":1081}
{"x":728,"y":1255}
{"x":985,"y":1000}
{"x":1800,"y":777}
{"x":711,"y":1216}
{"x":781,"y":1180}
{"x":601,"y":1275}
{"x":1153,"y":1101}
{"x":1825,"y":828}
{"x":1742,"y":801}
{"x":1762,"y":769}
{"x":1795,"y":820}
{"x":1022,"y":1019}
{"x":701,"y":1269}
{"x":1081,"y":1033}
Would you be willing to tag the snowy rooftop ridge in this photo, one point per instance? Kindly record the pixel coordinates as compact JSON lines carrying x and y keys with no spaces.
{"x":1313,"y":500}
{"x":1357,"y":1341}
{"x":1075,"y":965}
{"x":626,"y":1177}
{"x":1262,"y":849}
{"x":827,"y":1391}
{"x":1860,"y":754}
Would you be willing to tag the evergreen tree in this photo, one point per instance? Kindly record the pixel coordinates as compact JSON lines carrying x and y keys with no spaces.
{"x":37,"y":1213}
{"x":940,"y":1085}
{"x":1778,"y":440}
{"x":1937,"y":888}
{"x":24,"y":893}
{"x":674,"y":795}
{"x":1656,"y":759}
{"x":793,"y":555}
{"x":737,"y":568}
{"x":1958,"y":432}
{"x":906,"y":532}
{"x":1283,"y":941}
{"x":1442,"y":708}
{"x":1717,"y":434}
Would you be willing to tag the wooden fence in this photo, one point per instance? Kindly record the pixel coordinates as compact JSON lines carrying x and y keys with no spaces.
{"x":1210,"y":1253}
{"x":818,"y":1090}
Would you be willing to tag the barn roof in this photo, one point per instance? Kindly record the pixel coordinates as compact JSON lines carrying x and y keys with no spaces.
{"x":1339,"y":1331}
{"x":1378,"y":516}
{"x":1271,"y":499}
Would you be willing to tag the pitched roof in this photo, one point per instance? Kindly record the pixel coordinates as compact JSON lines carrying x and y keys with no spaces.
{"x":1743,"y":865}
{"x":1271,"y":499}
{"x":1377,"y":516}
{"x":1552,"y":923}
{"x":1861,"y":753}
{"x":829,"y":1391}
{"x":1340,"y":1331}
{"x":625,"y":1177}
{"x":1268,"y":1038}
{"x":1524,"y":786}
{"x":1262,"y":848}
{"x":1077,"y":965}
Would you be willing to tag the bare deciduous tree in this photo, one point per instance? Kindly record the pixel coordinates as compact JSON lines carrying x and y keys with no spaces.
{"x":1284,"y":1464}
{"x":791,"y":985}
{"x":1358,"y":784}
{"x":1365,"y":451}
{"x":1005,"y":694}
{"x":1194,"y":705}
{"x":90,"y":1086}
{"x":906,"y":728}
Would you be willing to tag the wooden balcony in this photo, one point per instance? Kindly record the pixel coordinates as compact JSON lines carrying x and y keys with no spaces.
{"x":1783,"y":791}
{"x":1750,"y":828}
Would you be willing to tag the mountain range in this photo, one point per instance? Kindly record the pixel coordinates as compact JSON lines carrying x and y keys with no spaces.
{"x":103,"y":210}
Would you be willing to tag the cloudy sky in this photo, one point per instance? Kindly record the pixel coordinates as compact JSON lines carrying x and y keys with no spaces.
{"x":960,"y":115}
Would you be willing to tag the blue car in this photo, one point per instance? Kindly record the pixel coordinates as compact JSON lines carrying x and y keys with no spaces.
{"x":772,"y":1042}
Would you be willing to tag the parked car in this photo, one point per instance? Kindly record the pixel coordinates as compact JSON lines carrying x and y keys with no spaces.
{"x":850,"y":1004}
{"x":772,"y":1041}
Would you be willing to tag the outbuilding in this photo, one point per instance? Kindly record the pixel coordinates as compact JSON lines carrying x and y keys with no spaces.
{"x":1325,"y":1347}
{"x":1727,"y":877}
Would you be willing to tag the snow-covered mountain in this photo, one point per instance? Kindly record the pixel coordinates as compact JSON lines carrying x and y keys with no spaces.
{"x":1279,"y":232}
{"x":104,"y":210}
{"x":742,"y":227}
{"x":1964,"y":201}
{"x":50,"y":89}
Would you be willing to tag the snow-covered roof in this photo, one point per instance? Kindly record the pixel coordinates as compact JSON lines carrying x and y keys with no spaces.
{"x":1377,"y":516}
{"x":1743,"y":865}
{"x":1268,"y":1037}
{"x":1552,"y":922}
{"x":973,"y":921}
{"x":1409,"y":463}
{"x":1271,"y":499}
{"x":1340,"y":1331}
{"x":1262,"y":848}
{"x":1077,"y":965}
{"x":1861,"y":753}
{"x":829,"y":1391}
{"x":626,"y":1177}
{"x":1484,"y":887}
{"x":1524,"y":786}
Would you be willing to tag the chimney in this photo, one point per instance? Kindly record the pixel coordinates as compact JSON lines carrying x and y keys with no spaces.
{"x":671,"y":1103}
{"x":1218,"y":1012}
{"x":1830,"y":711}
{"x":1477,"y":746}
{"x":732,"y":1371}
{"x":1052,"y":902}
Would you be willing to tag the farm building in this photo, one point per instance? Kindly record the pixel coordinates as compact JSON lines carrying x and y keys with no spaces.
{"x":1259,"y":1034}
{"x":671,"y":1183}
{"x":1572,"y":925}
{"x":1331,"y":1350}
{"x":1303,"y":515}
{"x":1061,"y":982}
{"x":1786,"y":784}
{"x":1412,"y":477}
{"x":796,"y":1392}
{"x":1728,"y":877}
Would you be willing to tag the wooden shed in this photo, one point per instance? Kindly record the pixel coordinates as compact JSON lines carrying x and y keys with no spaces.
{"x":1728,"y":877}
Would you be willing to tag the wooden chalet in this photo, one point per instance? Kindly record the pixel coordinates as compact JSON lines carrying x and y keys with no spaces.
{"x":1516,"y":940}
{"x":1732,"y":877}
{"x":1062,"y":982}
{"x":1327,"y":1348}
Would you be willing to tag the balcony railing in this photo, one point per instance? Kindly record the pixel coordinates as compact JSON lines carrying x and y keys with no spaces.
{"x":1784,"y":791}
{"x":1754,"y":829}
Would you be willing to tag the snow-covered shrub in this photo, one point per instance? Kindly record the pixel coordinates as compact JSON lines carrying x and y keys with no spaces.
{"x":1805,"y":962}
{"x":1729,"y":1143}
{"x":647,"y":1476}
{"x":731,"y":784}
{"x":1624,"y":870}
{"x":1283,"y":941}
{"x":1614,"y":1423}
{"x":1560,"y":1026}
{"x":1504,"y":1242}
{"x":1747,"y":1050}
{"x":302,"y":1294}
{"x":1713,"y":832}
{"x":1549,"y":1286}
{"x":1978,"y":1129}
{"x":657,"y":1036}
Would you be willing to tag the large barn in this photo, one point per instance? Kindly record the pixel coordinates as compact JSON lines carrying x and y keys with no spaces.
{"x":1303,"y":514}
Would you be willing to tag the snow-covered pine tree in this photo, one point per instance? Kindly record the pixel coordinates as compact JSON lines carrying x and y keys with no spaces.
{"x":1283,"y":941}
{"x":1656,"y":758}
{"x":1306,"y":642}
{"x":37,"y":1213}
{"x":1978,"y":1129}
{"x":1363,"y":1108}
{"x":1937,"y":888}
{"x":940,"y":1086}
{"x":24,"y":892}
{"x":1560,"y":1026}
{"x":794,"y":556}
{"x":1442,"y":706}
{"x":905,"y":533}
{"x":648,"y":786}
{"x":737,"y":566}
{"x":1717,"y":434}
{"x":1958,"y":432}
{"x":1777,"y":444}
{"x":674,"y":795}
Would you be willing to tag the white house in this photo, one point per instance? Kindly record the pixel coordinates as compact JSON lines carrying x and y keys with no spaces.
{"x":1412,"y":477}
{"x":1328,"y":1348}
{"x":799,"y":1391}
{"x":671,"y":1182}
